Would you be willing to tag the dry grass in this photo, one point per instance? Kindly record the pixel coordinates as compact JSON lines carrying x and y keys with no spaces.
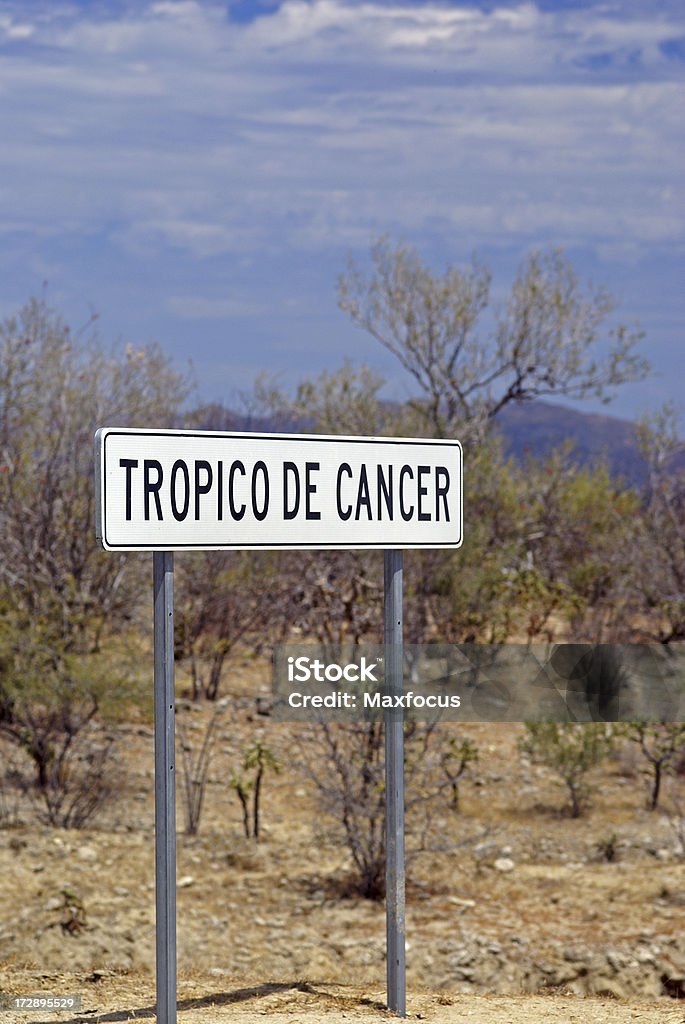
{"x":260,"y":919}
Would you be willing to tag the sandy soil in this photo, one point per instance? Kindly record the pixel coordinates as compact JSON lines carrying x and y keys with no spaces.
{"x":519,"y":918}
{"x":204,"y":998}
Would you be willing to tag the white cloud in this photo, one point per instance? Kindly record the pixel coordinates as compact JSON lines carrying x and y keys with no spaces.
{"x":321,"y":121}
{"x":180,"y":9}
{"x":178,"y":166}
{"x":14,"y":30}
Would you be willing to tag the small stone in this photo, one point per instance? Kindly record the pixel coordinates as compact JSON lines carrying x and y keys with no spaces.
{"x":185,"y":881}
{"x":87,"y":853}
{"x":504,"y":864}
{"x":615,"y":960}
{"x":606,"y":987}
{"x":461,"y":903}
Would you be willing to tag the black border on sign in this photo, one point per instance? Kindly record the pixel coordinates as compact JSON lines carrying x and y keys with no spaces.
{"x":104,"y":432}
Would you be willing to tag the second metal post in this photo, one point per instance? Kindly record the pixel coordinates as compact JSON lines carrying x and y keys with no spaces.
{"x":394,"y":786}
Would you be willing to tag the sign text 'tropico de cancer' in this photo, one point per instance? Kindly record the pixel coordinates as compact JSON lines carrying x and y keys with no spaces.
{"x":176,"y":490}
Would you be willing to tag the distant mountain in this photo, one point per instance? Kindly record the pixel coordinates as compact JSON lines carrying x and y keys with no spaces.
{"x":537,"y":428}
{"x":527,"y":429}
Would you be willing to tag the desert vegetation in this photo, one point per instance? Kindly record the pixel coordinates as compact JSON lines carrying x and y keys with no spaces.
{"x":555,"y":552}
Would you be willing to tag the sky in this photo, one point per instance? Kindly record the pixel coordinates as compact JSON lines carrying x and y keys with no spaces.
{"x":198,"y":173}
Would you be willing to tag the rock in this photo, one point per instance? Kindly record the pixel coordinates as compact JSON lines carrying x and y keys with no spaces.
{"x":608,"y":987}
{"x":504,"y":864}
{"x":615,"y":960}
{"x":457,"y":902}
{"x":264,"y":705}
{"x":87,"y":853}
{"x":185,"y":881}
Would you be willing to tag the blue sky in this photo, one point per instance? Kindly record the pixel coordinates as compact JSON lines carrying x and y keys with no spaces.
{"x":198,"y":172}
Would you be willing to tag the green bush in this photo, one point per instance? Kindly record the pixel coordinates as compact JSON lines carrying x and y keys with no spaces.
{"x":570,"y":750}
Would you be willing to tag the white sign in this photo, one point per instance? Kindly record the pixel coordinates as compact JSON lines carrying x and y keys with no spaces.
{"x":165,"y":490}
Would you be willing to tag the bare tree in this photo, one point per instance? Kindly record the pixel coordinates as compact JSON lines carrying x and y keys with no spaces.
{"x":544,"y":341}
{"x":196,"y":762}
{"x":223,"y":599}
{"x":59,"y":595}
{"x":661,"y":744}
{"x":56,"y":388}
{"x":346,"y":764}
{"x":331,"y":597}
{"x":658,"y":580}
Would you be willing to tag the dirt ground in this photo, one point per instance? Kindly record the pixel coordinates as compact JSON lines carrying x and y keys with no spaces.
{"x":204,"y":998}
{"x":518,"y":917}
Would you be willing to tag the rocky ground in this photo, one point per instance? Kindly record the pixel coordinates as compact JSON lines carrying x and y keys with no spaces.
{"x":521,"y":899}
{"x":208,"y":998}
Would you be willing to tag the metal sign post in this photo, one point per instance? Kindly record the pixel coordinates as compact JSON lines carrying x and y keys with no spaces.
{"x":179,"y":490}
{"x":165,"y":786}
{"x":394,"y":787}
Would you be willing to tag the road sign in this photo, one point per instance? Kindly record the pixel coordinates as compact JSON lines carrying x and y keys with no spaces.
{"x":165,"y":490}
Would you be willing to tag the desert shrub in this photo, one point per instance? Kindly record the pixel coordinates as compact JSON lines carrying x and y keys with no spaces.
{"x":457,"y":755}
{"x":247,"y":782}
{"x":675,"y":814}
{"x":61,"y":598}
{"x":13,"y":784}
{"x":662,"y":745}
{"x":570,"y":750}
{"x":81,"y":780}
{"x":195,"y":764}
{"x":346,"y":764}
{"x":607,"y":847}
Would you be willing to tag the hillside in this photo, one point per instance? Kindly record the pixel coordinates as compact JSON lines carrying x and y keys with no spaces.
{"x":528,"y":429}
{"x":537,"y":428}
